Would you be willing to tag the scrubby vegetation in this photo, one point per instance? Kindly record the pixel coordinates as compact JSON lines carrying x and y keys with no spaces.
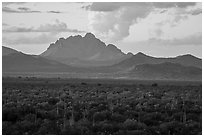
{"x":44,"y":106}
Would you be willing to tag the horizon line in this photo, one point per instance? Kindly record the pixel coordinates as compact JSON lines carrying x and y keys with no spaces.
{"x":121,"y":50}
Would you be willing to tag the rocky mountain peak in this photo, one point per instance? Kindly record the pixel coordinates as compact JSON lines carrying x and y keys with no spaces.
{"x":89,"y":35}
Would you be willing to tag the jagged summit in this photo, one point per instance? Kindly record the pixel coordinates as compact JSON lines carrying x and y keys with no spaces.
{"x":113,"y":47}
{"x":130,"y":54}
{"x":75,"y":49}
{"x":140,"y":54}
{"x":74,"y":37}
{"x":89,"y":35}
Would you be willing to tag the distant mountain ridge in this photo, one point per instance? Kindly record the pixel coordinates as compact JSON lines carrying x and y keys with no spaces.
{"x":14,"y":61}
{"x":7,"y":51}
{"x":97,"y":60}
{"x":140,"y":58}
{"x":166,"y":71}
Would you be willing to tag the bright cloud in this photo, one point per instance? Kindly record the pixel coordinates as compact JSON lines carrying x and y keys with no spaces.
{"x":112,"y":21}
{"x":56,"y":27}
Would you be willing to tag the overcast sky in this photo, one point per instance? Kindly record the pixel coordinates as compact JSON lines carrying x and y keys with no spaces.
{"x":157,"y":29}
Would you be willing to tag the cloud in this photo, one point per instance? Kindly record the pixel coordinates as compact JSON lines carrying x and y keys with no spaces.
{"x":87,"y":7}
{"x":42,"y":34}
{"x":191,"y":11}
{"x":172,"y":4}
{"x":196,"y":11}
{"x":112,"y":6}
{"x":38,"y":39}
{"x":115,"y":24}
{"x":56,"y":27}
{"x":23,"y":8}
{"x":9,"y":10}
{"x":195,"y":39}
{"x":12,"y":3}
{"x":20,"y":10}
{"x":17,"y":29}
{"x":112,"y":20}
{"x":173,"y":22}
{"x":176,"y":20}
{"x":103,"y":6}
{"x":26,"y":10}
{"x":163,"y":11}
{"x":54,"y":12}
{"x":5,"y":24}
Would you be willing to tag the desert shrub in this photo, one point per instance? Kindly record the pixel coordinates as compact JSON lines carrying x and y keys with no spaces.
{"x":154,"y":85}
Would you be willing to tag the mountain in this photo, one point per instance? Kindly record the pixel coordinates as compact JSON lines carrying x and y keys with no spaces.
{"x":84,"y":51}
{"x":14,"y":61}
{"x":139,"y":66}
{"x":160,"y":71}
{"x":166,"y":71}
{"x":140,"y":58}
{"x":7,"y":51}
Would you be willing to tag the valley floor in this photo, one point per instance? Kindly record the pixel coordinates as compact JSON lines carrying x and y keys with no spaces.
{"x":55,"y":106}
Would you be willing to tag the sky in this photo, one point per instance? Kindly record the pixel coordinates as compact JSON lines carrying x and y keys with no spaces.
{"x":160,"y":29}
